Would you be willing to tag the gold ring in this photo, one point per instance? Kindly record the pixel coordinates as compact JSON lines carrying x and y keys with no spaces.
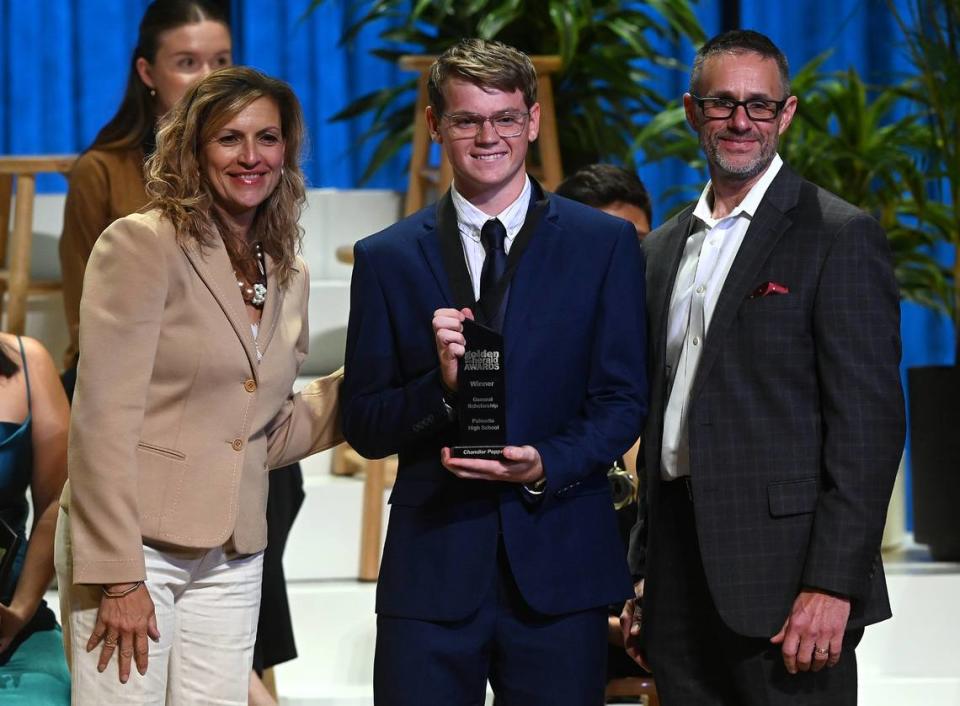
{"x":109,"y":643}
{"x":821,"y":651}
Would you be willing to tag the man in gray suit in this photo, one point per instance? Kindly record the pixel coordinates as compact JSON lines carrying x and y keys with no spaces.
{"x":776,"y":421}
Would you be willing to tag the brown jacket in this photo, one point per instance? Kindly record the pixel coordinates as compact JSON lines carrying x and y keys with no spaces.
{"x":104,"y":185}
{"x":174,"y":421}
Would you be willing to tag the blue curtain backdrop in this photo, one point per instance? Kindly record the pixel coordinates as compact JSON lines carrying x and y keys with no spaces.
{"x":63,"y":66}
{"x":305,"y":51}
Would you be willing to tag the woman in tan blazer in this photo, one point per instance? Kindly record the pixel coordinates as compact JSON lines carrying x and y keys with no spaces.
{"x":184,"y":401}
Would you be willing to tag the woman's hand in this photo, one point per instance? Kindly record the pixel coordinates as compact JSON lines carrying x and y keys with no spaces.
{"x":11,"y":623}
{"x":124,"y":623}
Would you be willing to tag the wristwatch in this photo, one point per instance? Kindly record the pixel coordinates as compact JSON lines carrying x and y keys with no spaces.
{"x":537,"y":487}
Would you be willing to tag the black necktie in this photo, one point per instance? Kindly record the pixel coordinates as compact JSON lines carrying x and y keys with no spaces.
{"x":492,"y":235}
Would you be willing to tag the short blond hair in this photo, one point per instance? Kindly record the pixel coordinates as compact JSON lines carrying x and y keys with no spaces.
{"x":487,"y":64}
{"x":175,"y":181}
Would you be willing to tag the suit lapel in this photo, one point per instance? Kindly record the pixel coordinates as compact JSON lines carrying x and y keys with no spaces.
{"x":665,"y":258}
{"x":768,"y":224}
{"x":212,"y":264}
{"x":271,"y":308}
{"x":443,"y":249}
{"x":533,"y":283}
{"x":440,"y":244}
{"x":538,"y":207}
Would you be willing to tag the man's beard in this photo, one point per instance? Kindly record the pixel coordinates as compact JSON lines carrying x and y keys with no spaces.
{"x":739,"y":171}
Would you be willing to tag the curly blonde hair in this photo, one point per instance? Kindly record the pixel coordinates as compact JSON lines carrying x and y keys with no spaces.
{"x":177,"y":186}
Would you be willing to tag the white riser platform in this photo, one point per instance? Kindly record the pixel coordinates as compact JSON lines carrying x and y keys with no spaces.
{"x":906,"y":661}
{"x":909,"y":660}
{"x":324,"y":543}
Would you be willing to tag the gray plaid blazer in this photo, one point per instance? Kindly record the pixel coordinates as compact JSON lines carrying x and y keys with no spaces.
{"x":796,"y":417}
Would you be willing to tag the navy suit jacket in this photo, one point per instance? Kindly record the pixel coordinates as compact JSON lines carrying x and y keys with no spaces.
{"x":796,"y":415}
{"x":574,"y":331}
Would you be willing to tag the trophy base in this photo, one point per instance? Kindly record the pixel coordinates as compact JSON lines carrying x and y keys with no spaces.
{"x":487,"y":452}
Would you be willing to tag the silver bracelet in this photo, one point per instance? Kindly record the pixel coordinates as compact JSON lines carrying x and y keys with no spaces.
{"x":124,"y":592}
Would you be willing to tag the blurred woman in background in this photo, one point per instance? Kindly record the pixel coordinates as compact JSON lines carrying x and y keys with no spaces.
{"x":180,"y":42}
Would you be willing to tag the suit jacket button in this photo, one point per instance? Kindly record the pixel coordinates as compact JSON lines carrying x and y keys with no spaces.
{"x":237,"y":444}
{"x":250,"y":385}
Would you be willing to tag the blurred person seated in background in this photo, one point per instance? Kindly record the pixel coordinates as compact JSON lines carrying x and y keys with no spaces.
{"x":613,"y":190}
{"x":620,"y":193}
{"x":163,"y":524}
{"x":33,"y":456}
{"x":179,"y":42}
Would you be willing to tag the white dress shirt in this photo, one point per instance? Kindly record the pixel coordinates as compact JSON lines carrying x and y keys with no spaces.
{"x":470,"y":220}
{"x":708,"y":254}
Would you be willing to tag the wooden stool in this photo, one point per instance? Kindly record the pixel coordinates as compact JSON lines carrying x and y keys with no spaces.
{"x":378,"y":475}
{"x":422,"y":176}
{"x":269,"y":680}
{"x":633,"y":687}
{"x":344,"y":254}
{"x":15,"y":278}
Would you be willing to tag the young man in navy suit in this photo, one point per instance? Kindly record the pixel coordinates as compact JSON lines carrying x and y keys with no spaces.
{"x":779,"y":422}
{"x":496,"y":569}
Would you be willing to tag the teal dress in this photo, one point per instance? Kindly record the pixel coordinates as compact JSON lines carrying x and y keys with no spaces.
{"x":33,"y":670}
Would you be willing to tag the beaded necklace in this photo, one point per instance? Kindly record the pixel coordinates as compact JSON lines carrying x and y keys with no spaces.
{"x":255,"y":293}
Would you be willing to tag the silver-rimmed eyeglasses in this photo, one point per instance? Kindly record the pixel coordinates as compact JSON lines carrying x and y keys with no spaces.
{"x":469,"y":125}
{"x":723,"y":108}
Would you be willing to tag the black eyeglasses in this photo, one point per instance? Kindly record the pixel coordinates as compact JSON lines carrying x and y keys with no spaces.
{"x":723,"y":108}
{"x":469,"y":125}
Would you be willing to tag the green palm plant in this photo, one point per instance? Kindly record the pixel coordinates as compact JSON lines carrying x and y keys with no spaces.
{"x":609,"y":50}
{"x":848,"y":138}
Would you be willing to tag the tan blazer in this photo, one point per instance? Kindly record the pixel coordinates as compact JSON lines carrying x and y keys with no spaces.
{"x":174,"y":422}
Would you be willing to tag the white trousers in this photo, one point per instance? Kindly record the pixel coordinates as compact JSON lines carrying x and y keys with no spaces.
{"x":207,"y":607}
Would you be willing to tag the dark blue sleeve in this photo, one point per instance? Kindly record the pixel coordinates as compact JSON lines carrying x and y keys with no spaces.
{"x":615,"y":407}
{"x":382,"y":411}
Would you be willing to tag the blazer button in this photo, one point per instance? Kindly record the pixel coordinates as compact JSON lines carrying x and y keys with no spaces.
{"x":250,"y":385}
{"x":237,"y":444}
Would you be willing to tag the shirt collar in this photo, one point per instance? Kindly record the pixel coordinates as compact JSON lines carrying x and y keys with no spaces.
{"x":470,"y":219}
{"x":750,"y":203}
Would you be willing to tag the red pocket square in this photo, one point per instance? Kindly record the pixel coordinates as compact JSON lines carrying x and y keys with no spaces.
{"x":768,"y":288}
